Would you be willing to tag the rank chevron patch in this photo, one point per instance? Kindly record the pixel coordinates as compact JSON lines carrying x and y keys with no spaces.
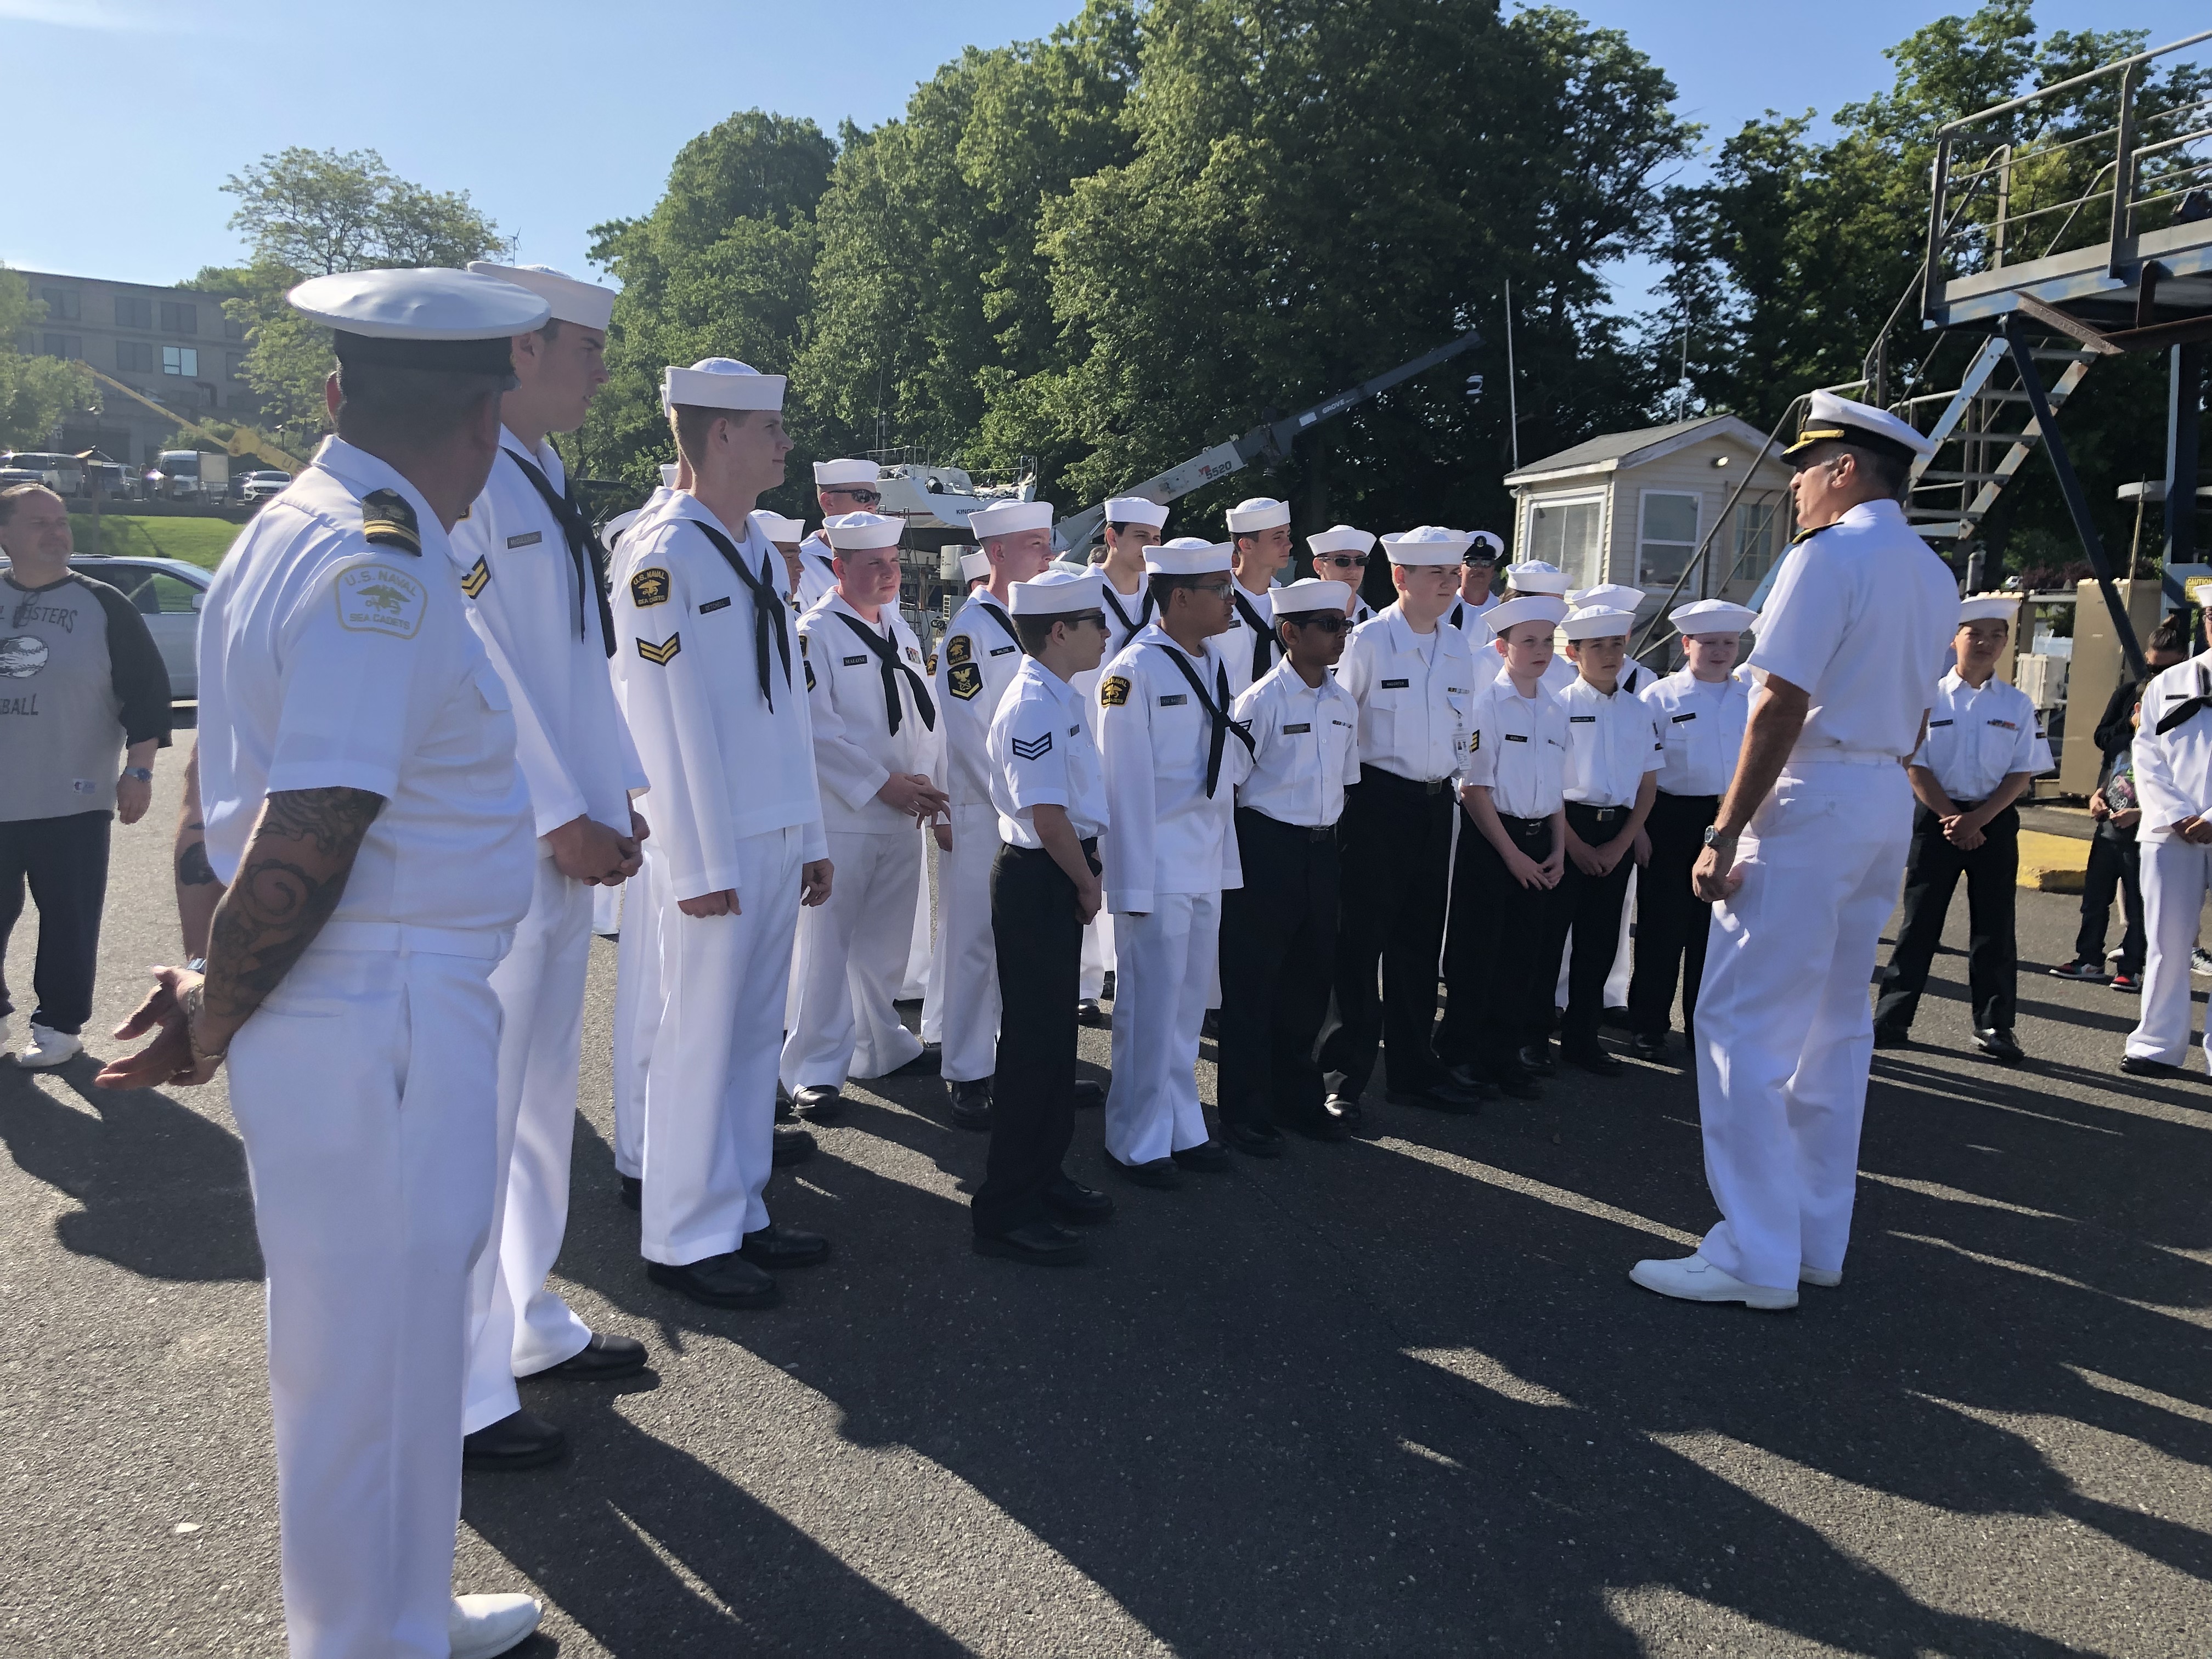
{"x":478,"y":580}
{"x":1033,"y":748}
{"x":659,"y":654}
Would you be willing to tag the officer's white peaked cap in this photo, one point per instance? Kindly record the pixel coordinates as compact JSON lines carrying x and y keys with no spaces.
{"x":585,"y":304}
{"x":1311,"y":594}
{"x":1990,"y":607}
{"x":776,"y":527}
{"x":1486,"y":545}
{"x":1598,"y":622}
{"x":1712,"y":617}
{"x":1257,"y":512}
{"x":1055,"y":593}
{"x":611,"y":531}
{"x":1611,"y":594}
{"x":422,"y":307}
{"x":669,"y":473}
{"x":1341,"y":538}
{"x":1534,"y":576}
{"x":1009,"y":519}
{"x":974,"y":565}
{"x":1547,"y":608}
{"x":1426,"y":543}
{"x":1828,"y":416}
{"x":1187,"y":555}
{"x":846,"y":471}
{"x":1136,"y":510}
{"x":854,"y":531}
{"x":721,"y":383}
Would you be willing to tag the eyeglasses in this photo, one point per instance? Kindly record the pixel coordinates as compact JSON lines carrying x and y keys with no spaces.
{"x":1326,"y":623}
{"x":866,"y":497}
{"x":1094,"y":618}
{"x":1344,"y":560}
{"x":1218,"y":589}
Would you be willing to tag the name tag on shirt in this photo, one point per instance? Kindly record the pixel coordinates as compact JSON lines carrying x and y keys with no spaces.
{"x":1932,"y":725}
{"x":1678,"y":718}
{"x":530,"y":540}
{"x":1396,"y":685}
{"x":2008,"y":725}
{"x":1171,"y":702}
{"x":1303,"y":726}
{"x":1000,"y":650}
{"x":1581,"y":719}
{"x":1515,"y":737}
{"x":714,"y":605}
{"x":853,"y":662}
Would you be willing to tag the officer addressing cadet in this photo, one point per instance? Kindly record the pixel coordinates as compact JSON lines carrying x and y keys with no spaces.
{"x":1802,"y":863}
{"x":1260,"y":545}
{"x":377,"y":856}
{"x":1279,"y":929}
{"x":530,"y":567}
{"x":712,"y":676}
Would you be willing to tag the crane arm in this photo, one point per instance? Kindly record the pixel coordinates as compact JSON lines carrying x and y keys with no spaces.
{"x":246,"y":441}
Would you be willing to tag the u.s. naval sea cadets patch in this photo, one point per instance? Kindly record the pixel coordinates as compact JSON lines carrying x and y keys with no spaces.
{"x":958,"y":650}
{"x":388,"y":521}
{"x":375,"y":598}
{"x":1113,"y":691}
{"x":649,"y":587}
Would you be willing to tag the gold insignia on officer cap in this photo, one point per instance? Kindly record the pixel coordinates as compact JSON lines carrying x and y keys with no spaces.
{"x":649,"y":587}
{"x":389,"y":521}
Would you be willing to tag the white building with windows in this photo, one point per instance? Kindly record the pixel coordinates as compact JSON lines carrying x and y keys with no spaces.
{"x":1632,"y":506}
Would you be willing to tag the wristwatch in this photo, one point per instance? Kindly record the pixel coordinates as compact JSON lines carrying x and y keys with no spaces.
{"x":1715,"y":836}
{"x":144,"y":775}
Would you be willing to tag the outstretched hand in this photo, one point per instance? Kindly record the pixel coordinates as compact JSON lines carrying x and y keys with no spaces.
{"x":168,"y":1057}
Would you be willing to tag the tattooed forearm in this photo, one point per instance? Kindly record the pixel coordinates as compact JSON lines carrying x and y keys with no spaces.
{"x":193,"y":869}
{"x":198,"y":889}
{"x":333,"y":819}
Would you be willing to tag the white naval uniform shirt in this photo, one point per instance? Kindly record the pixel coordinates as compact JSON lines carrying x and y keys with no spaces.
{"x":329,"y":661}
{"x":1043,"y":754}
{"x":816,"y":575}
{"x":1169,"y":835}
{"x":724,"y":765}
{"x":1415,"y":703}
{"x":1612,"y":740}
{"x":1518,"y":750}
{"x":573,"y":746}
{"x":2174,"y":773}
{"x":1235,"y":646}
{"x":1125,"y":614}
{"x":855,"y":751}
{"x":1559,"y":673}
{"x":1305,"y":747}
{"x":1977,"y":739}
{"x":1701,"y":729}
{"x":976,"y":661}
{"x":1469,"y":619}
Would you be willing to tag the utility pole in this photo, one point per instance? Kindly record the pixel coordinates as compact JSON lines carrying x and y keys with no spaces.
{"x":1512,"y":389}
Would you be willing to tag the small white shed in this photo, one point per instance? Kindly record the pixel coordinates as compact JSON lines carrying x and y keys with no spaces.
{"x":1632,"y":506}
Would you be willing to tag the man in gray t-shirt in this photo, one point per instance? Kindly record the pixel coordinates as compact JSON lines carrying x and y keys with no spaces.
{"x":80,"y":679}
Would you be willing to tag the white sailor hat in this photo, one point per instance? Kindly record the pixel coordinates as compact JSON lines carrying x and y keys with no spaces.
{"x":1009,"y":519}
{"x":1608,"y":594}
{"x":1055,"y":593}
{"x":721,"y":383}
{"x":1828,"y":416}
{"x":1257,"y":512}
{"x":853,"y":531}
{"x":777,"y":528}
{"x":669,"y":473}
{"x":1599,"y":622}
{"x":1487,"y":545}
{"x":1547,"y":608}
{"x":1534,"y":576}
{"x":974,"y":566}
{"x":611,"y":531}
{"x":846,"y":471}
{"x":1311,"y":594}
{"x":1426,"y":543}
{"x":585,"y":304}
{"x":1187,"y":555}
{"x":1342,"y":539}
{"x":1136,"y":510}
{"x":1712,"y":617}
{"x":1990,"y":607}
{"x":427,"y":319}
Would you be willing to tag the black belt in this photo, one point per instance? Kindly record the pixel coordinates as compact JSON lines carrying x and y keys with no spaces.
{"x":1523,"y":828}
{"x":1411,"y":785}
{"x":1598,"y":814}
{"x":1301,"y":831}
{"x":1701,"y":801}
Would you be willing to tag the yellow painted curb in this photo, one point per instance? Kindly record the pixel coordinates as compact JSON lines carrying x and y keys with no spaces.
{"x":2052,"y":863}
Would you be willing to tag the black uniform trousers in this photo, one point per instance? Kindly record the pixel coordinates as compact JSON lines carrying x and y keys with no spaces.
{"x":1932,"y":869}
{"x":1671,"y":920}
{"x":64,"y":860}
{"x":1395,"y":841}
{"x":2114,"y":864}
{"x":1039,"y":939}
{"x":1498,"y":1003}
{"x":1593,"y":906}
{"x":1278,"y":956}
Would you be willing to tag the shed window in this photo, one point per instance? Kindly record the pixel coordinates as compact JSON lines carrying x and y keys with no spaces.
{"x":1667,"y":538}
{"x":1566,"y":533}
{"x":1758,"y":536}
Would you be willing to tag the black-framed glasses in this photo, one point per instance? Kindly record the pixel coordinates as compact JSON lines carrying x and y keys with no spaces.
{"x":1325,"y":621}
{"x":866,"y":497}
{"x":1218,"y":589}
{"x":1095,"y":618}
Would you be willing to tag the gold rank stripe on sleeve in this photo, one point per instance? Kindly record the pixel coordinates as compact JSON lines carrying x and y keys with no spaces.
{"x":649,"y":587}
{"x":658,"y":655}
{"x":965,"y":681}
{"x":389,"y":521}
{"x":1113,"y":691}
{"x":478,"y":580}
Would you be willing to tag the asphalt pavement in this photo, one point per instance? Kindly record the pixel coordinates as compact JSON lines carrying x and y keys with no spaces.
{"x":1393,"y":1396}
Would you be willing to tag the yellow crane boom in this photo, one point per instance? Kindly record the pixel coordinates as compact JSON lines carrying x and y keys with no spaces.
{"x":244,"y":440}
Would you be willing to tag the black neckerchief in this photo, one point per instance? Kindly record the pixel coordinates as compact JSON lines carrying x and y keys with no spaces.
{"x":999,"y":617}
{"x":1262,"y":637}
{"x":584,"y":549}
{"x":2189,"y":707}
{"x":1458,"y":609}
{"x":887,"y":654}
{"x":1113,"y":600}
{"x":769,"y":613}
{"x":1216,"y":711}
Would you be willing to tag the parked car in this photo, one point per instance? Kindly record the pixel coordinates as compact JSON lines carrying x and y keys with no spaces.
{"x":169,"y":593}
{"x":62,"y":474}
{"x":11,"y":474}
{"x":260,"y":486}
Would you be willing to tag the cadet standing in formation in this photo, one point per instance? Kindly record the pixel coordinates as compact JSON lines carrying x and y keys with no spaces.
{"x":1341,"y":554}
{"x":1260,"y":545}
{"x":2172,"y":755}
{"x":840,"y":486}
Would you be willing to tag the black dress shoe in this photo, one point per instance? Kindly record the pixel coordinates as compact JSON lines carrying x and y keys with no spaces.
{"x":1646,"y":1045}
{"x":517,"y":1441}
{"x":1318,"y":1125}
{"x":602,"y":1360}
{"x":1890,"y":1036}
{"x":793,"y":1144}
{"x":818,"y":1103}
{"x":783,"y":1112}
{"x":2144,"y":1066}
{"x":1071,"y":1201}
{"x":633,"y":1191}
{"x":971,"y":1103}
{"x":1617,"y":1018}
{"x":924,"y":1064}
{"x":1210,"y":1027}
{"x":1346,"y":1110}
{"x":784,"y":1247}
{"x":1261,"y":1140}
{"x":1089,"y":1096}
{"x":1107,"y":990}
{"x":1592,"y":1058}
{"x":720,"y":1281}
{"x":1998,"y":1043}
{"x":1519,"y":1083}
{"x":1088,"y":1012}
{"x":1457,"y":1102}
{"x":1537,"y":1057}
{"x":1208,"y":1158}
{"x":1037,"y":1243}
{"x":1161,"y":1172}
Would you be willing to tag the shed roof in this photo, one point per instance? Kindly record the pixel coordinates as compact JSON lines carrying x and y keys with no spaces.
{"x":1610,"y":452}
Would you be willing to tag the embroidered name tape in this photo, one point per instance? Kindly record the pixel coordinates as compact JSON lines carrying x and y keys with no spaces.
{"x":711,"y":606}
{"x":853,"y":662}
{"x":1581,"y":719}
{"x":1516,"y":737}
{"x":530,"y":539}
{"x":1178,"y":698}
{"x":1303,"y":726}
{"x":1396,"y":685}
{"x":1001,"y":650}
{"x":1678,"y":718}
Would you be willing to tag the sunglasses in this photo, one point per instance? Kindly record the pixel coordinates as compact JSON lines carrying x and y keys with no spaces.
{"x":1344,"y":560}
{"x":866,"y":497}
{"x":1095,"y":618}
{"x":1326,"y":623}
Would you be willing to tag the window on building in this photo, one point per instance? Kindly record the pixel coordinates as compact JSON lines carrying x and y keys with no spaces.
{"x":1566,"y":533}
{"x":63,"y":345}
{"x":178,"y":318}
{"x":133,"y":310}
{"x":181,"y":360}
{"x":61,"y":304}
{"x":232,"y":329}
{"x":1667,"y":538}
{"x":134,"y":356}
{"x":1758,"y":527}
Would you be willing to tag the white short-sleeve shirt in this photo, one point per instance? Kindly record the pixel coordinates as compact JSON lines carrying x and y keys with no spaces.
{"x":1612,"y":742}
{"x":1701,"y":730}
{"x":1305,"y":747}
{"x":1518,"y":750}
{"x":1978,"y":738}
{"x":1042,"y":754}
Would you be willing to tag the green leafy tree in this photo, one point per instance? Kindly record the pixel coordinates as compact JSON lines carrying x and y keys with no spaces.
{"x":35,"y":392}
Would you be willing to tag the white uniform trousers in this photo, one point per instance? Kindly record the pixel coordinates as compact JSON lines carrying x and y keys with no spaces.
{"x":2175,"y":875}
{"x":1161,"y":988}
{"x":710,"y":1084}
{"x":637,"y":1007}
{"x":914,"y":982}
{"x":852,"y":956}
{"x":364,"y":1089}
{"x":1784,"y":1032}
{"x":518,"y":1325}
{"x":967,"y":950}
{"x":606,"y":910}
{"x":1624,"y":957}
{"x":1098,"y":957}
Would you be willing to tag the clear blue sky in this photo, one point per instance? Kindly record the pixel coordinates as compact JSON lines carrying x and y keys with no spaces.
{"x":124,"y":116}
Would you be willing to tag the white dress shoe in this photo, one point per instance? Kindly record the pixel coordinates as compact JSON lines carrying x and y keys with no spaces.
{"x":1826,"y":1278}
{"x":1694,"y":1279}
{"x":480,"y":1627}
{"x":48,"y":1048}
